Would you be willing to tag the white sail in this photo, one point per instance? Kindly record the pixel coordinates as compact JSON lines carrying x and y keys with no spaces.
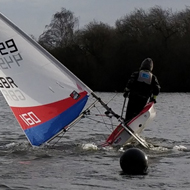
{"x":43,"y":95}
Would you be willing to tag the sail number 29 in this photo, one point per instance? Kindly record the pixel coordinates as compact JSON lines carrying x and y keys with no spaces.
{"x":30,"y":118}
{"x":8,"y":47}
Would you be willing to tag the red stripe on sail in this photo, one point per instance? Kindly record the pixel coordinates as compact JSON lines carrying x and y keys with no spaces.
{"x":29,"y":117}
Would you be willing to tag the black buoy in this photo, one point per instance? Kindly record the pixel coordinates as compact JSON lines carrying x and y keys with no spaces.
{"x":134,"y":162}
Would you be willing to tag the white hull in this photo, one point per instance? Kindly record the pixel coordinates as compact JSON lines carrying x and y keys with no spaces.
{"x":120,"y":136}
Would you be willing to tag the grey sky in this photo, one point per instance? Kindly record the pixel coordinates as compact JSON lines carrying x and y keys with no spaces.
{"x":32,"y":15}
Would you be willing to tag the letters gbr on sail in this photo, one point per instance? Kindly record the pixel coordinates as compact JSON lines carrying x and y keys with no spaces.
{"x":43,"y":95}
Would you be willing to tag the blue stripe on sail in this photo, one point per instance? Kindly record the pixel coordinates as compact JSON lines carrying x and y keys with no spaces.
{"x":43,"y":132}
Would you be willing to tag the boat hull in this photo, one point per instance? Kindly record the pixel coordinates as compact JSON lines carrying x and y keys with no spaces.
{"x":120,"y":136}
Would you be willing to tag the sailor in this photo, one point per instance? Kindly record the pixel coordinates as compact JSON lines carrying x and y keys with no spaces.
{"x":141,"y":87}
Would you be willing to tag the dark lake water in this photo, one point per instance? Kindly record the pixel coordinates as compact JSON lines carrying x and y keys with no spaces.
{"x":75,"y":163}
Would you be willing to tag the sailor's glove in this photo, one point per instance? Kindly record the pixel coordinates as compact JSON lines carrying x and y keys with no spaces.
{"x":153,"y":99}
{"x":126,"y":92}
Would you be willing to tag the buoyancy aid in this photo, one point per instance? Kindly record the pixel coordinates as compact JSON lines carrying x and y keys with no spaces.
{"x":145,"y":76}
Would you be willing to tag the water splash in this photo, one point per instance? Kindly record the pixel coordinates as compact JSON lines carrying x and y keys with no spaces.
{"x":89,"y":146}
{"x":179,"y":147}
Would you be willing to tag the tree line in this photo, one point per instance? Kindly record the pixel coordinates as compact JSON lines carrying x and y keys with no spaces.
{"x":104,"y":57}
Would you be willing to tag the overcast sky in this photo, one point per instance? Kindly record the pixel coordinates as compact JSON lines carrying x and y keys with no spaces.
{"x":32,"y":15}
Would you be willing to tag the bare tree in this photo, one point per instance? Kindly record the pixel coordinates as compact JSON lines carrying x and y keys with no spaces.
{"x":60,"y":32}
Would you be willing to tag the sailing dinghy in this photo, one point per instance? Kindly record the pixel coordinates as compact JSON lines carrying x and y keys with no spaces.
{"x":120,"y":136}
{"x":45,"y":97}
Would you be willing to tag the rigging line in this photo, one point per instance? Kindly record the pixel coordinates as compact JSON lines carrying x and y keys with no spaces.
{"x":105,"y":106}
{"x":101,"y":116}
{"x":112,"y":98}
{"x":102,"y":123}
{"x":104,"y":115}
{"x":59,"y":138}
{"x":110,"y":118}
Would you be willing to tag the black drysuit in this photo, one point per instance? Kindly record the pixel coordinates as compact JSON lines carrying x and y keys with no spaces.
{"x":142,"y":85}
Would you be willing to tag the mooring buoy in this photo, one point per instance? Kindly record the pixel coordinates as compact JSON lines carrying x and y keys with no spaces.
{"x":134,"y":162}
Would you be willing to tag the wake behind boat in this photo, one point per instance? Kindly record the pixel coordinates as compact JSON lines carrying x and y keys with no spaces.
{"x":45,"y":97}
